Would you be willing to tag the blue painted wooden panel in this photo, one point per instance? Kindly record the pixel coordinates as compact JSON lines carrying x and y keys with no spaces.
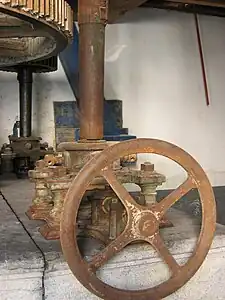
{"x":67,"y":115}
{"x":119,"y":137}
{"x":69,"y":61}
{"x":113,"y":117}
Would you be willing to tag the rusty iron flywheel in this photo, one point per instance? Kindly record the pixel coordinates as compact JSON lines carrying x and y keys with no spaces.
{"x":137,"y":216}
{"x":33,"y":30}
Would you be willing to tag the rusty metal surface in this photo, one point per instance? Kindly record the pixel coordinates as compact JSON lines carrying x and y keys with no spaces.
{"x":52,"y":181}
{"x":84,"y":146}
{"x":91,"y":80}
{"x":78,"y":153}
{"x":58,"y":188}
{"x":142,"y":222}
{"x":28,"y":31}
{"x":102,"y":214}
{"x":92,"y":16}
{"x":25,"y":151}
{"x":93,"y":11}
{"x":43,"y":201}
{"x":128,"y":159}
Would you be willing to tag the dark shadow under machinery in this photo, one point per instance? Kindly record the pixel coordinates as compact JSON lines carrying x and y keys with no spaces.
{"x":24,"y":149}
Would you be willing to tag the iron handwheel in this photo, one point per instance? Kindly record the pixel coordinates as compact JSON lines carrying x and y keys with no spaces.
{"x":138,"y":217}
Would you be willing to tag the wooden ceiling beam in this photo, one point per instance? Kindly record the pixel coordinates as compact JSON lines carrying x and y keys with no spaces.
{"x":217,"y":3}
{"x":187,"y":8}
{"x":117,"y":8}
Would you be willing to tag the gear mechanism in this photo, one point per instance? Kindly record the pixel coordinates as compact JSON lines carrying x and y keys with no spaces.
{"x":33,"y":30}
{"x":38,"y":66}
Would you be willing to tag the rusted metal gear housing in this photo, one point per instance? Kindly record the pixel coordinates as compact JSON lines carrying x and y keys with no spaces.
{"x":53,"y":176}
{"x":31,"y":30}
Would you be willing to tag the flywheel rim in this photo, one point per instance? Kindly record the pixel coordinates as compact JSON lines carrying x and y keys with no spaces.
{"x":53,"y":34}
{"x":72,"y":202}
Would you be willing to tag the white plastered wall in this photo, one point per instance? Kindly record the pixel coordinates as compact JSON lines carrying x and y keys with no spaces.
{"x":153,"y":65}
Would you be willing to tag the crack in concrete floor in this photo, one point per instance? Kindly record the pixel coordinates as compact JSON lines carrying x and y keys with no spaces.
{"x":45,"y":263}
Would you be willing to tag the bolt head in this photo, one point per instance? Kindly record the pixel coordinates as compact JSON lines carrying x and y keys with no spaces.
{"x":28,"y":146}
{"x":40,"y":164}
{"x":147,"y":166}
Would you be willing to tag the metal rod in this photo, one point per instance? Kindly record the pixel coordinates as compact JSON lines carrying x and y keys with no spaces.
{"x":91,"y":80}
{"x":202,"y":60}
{"x":25,"y":91}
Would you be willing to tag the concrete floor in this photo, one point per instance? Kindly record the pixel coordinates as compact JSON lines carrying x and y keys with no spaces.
{"x":32,"y":268}
{"x":23,"y":252}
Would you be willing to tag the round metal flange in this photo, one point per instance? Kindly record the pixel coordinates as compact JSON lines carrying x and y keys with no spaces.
{"x":142,"y":222}
{"x":39,"y":66}
{"x":33,"y":30}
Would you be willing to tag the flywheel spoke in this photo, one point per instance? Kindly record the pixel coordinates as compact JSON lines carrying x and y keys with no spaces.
{"x":159,"y":245}
{"x":111,"y":250}
{"x":173,"y":197}
{"x":119,"y":189}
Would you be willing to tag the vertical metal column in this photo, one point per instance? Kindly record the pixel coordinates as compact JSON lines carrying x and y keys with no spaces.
{"x":92,"y":21}
{"x":25,"y":90}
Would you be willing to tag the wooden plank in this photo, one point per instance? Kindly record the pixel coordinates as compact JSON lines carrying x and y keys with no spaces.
{"x":216,"y":3}
{"x":117,"y":8}
{"x":187,"y":8}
